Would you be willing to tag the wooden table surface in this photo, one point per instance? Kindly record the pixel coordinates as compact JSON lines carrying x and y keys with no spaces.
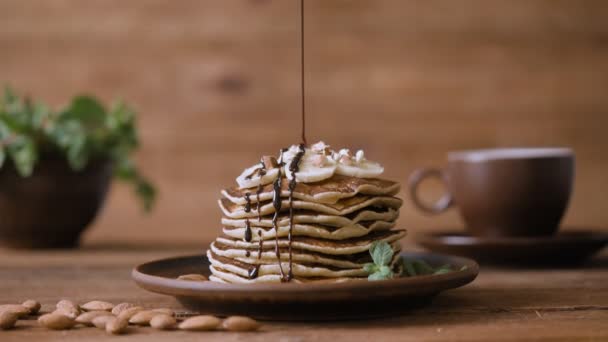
{"x":566,"y":304}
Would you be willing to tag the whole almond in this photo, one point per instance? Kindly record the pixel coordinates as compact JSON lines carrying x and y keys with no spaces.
{"x":56,"y":321}
{"x":200,"y":323}
{"x":163,"y":322}
{"x":165,"y":311}
{"x":32,"y":305}
{"x":130,"y":312}
{"x":17,"y":309}
{"x":142,"y":317}
{"x":116,"y":326}
{"x":8,"y":319}
{"x":192,"y":277}
{"x":97,"y":305}
{"x":240,"y":323}
{"x":101,"y":321}
{"x":87,"y":317}
{"x":68,"y":308}
{"x":122,"y":307}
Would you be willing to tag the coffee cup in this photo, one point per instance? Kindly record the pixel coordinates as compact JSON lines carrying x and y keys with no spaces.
{"x":503,"y":192}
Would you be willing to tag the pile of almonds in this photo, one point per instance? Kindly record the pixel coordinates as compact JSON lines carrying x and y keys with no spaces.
{"x":115,"y":319}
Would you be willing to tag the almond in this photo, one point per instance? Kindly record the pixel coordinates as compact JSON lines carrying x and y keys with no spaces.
{"x":165,"y":311}
{"x":163,"y":322}
{"x":101,"y":321}
{"x":56,"y":321}
{"x":240,"y":323}
{"x":32,"y":305}
{"x":116,"y":325}
{"x":142,"y":317}
{"x":87,"y":317}
{"x":8,"y":319}
{"x":192,"y":277}
{"x":97,"y":305}
{"x":200,"y":323}
{"x":17,"y":309}
{"x":122,"y":307}
{"x":130,"y":312}
{"x":68,"y":308}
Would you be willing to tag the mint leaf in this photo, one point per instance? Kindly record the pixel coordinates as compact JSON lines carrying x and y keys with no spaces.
{"x":382,"y":253}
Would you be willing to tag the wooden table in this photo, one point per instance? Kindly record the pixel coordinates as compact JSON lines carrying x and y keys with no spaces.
{"x":502,"y":304}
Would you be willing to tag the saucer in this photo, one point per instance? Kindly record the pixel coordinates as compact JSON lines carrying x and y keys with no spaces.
{"x":564,"y":248}
{"x":290,"y":302}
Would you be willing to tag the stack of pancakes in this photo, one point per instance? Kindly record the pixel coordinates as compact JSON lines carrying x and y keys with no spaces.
{"x":333,"y":223}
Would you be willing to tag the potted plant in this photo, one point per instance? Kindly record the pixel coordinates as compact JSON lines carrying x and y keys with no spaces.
{"x":56,"y":167}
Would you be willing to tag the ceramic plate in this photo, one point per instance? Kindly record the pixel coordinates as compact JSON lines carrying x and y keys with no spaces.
{"x":348,"y":300}
{"x":561,"y":249}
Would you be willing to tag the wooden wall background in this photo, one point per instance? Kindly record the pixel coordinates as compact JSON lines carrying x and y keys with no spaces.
{"x":217,"y":85}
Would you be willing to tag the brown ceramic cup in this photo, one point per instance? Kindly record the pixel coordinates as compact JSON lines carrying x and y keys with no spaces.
{"x":504,"y":192}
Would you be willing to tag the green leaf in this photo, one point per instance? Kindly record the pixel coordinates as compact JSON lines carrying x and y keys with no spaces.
{"x":86,"y":110}
{"x":2,"y":156}
{"x":370,"y":268}
{"x":409,"y":269}
{"x":23,"y":152}
{"x":381,"y":253}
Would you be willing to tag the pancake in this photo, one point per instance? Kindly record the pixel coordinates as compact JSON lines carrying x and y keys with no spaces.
{"x":307,"y":216}
{"x":326,"y":191}
{"x":340,"y":208}
{"x":325,"y":246}
{"x":223,"y":276}
{"x":268,"y":255}
{"x":311,"y":230}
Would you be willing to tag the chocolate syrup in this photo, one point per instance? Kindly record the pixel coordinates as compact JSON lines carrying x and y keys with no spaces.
{"x":257,"y":207}
{"x":294,"y":167}
{"x":302,"y":70}
{"x":248,"y":234}
{"x":248,"y":204}
{"x":276,"y":202}
{"x":261,"y":244}
{"x":247,"y":254}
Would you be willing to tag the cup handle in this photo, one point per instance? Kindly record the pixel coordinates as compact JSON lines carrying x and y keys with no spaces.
{"x":444,"y":203}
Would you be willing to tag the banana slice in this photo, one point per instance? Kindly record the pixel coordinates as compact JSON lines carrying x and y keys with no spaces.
{"x":364,"y":169}
{"x":356,"y":166}
{"x":313,"y":166}
{"x":254,"y":176}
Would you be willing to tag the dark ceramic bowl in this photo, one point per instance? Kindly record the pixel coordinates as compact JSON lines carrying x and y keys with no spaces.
{"x":52,"y":207}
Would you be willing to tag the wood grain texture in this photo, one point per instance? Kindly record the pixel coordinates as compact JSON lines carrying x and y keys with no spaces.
{"x":502,"y":304}
{"x":217,"y":85}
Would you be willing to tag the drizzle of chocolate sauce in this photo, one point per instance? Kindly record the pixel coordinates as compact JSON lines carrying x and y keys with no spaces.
{"x":276,"y":203}
{"x":247,"y":253}
{"x":294,"y":167}
{"x":248,"y":235}
{"x":257,"y":207}
{"x":253,"y":273}
{"x":248,"y":203}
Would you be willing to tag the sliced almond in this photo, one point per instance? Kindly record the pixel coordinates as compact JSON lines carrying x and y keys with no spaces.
{"x":8,"y":319}
{"x":101,"y":321}
{"x":97,"y":305}
{"x":56,"y":321}
{"x":87,"y":317}
{"x":17,"y":309}
{"x":165,"y":311}
{"x":130,"y":312}
{"x":122,"y":307}
{"x":142,"y":317}
{"x":270,"y":162}
{"x":163,"y":322}
{"x":32,"y":305}
{"x":192,"y":277}
{"x":68,"y":308}
{"x":200,"y":323}
{"x":116,"y":325}
{"x":240,"y":323}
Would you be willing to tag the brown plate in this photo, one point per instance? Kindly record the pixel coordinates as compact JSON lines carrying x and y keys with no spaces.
{"x":348,"y":300}
{"x":565,"y":248}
